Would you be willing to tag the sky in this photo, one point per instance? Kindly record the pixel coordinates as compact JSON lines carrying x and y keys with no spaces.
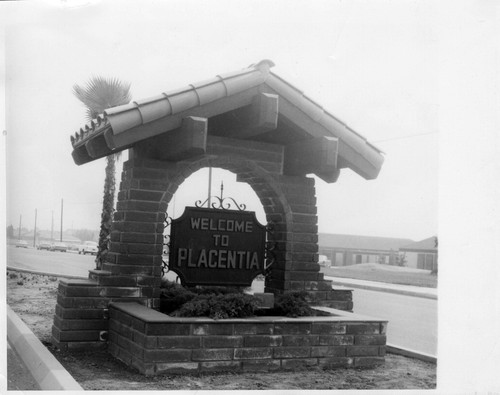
{"x":376,"y":70}
{"x":419,"y":79}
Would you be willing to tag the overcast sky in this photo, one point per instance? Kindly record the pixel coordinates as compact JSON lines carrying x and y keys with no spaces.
{"x":371,"y":64}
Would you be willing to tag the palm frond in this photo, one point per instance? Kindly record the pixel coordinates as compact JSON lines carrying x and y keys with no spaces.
{"x":100,"y":93}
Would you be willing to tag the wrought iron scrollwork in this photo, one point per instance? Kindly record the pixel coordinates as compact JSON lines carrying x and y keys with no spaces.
{"x":270,"y":255}
{"x":166,"y":246}
{"x":222,"y":203}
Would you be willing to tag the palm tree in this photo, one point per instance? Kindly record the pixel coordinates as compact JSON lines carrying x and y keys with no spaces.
{"x":98,"y":95}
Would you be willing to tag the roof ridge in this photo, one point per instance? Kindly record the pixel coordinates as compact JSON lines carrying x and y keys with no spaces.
{"x":264,"y":65}
{"x":325,"y":111}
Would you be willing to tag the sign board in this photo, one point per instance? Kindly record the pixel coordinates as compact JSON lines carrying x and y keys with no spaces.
{"x":217,"y":247}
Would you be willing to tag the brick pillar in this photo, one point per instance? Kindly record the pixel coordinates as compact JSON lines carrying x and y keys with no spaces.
{"x":132,"y":271}
{"x":296,"y":232}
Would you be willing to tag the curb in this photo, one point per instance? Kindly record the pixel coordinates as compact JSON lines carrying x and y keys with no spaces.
{"x":384,"y":289}
{"x":48,"y":373}
{"x":411,"y":353}
{"x":15,"y":269}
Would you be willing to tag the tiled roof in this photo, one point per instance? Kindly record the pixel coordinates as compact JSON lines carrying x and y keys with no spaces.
{"x":356,"y":242}
{"x":140,"y":112}
{"x":89,"y":130}
{"x":122,"y":126}
{"x":428,"y":244}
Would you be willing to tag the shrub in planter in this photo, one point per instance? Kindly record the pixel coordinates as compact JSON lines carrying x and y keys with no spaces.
{"x":226,"y":302}
{"x":173,"y":296}
{"x":293,"y":304}
{"x":219,"y":306}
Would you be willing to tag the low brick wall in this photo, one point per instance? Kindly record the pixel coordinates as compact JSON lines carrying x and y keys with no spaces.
{"x":155,"y":343}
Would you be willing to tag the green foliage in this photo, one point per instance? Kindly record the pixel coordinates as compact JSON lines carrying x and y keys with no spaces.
{"x":107,"y":210}
{"x":101,"y":93}
{"x":97,"y":95}
{"x":10,"y":232}
{"x":219,"y":306}
{"x":401,"y":259}
{"x":293,"y":304}
{"x":173,"y":296}
{"x":226,"y":302}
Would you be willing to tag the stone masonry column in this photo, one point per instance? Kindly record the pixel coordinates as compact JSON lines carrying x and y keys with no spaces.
{"x":296,"y":234}
{"x":132,"y":271}
{"x":136,"y":245}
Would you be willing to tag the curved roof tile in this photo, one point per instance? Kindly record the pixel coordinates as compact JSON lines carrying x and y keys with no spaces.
{"x":365,"y":158}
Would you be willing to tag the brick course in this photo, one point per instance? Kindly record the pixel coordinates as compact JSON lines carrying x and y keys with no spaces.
{"x":132,"y":270}
{"x":155,"y":343}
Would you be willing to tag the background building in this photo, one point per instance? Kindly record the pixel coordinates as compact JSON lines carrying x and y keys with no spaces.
{"x":422,"y":254}
{"x":345,"y":250}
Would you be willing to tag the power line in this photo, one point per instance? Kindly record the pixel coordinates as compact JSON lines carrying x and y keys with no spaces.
{"x":404,"y":137}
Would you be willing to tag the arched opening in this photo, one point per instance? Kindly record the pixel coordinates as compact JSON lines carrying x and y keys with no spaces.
{"x":197,"y":186}
{"x":216,"y":183}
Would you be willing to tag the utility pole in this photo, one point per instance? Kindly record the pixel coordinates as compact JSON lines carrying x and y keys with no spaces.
{"x":19,"y":231}
{"x":61,"y":220}
{"x":34,"y":232}
{"x":52,"y":228}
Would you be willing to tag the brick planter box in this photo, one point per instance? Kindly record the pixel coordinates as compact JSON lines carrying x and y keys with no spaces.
{"x":155,"y":343}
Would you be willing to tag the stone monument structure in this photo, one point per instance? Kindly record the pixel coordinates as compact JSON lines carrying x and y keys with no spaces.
{"x":250,"y":122}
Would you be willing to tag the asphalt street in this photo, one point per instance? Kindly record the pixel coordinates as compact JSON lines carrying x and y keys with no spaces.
{"x":412,"y":320}
{"x":63,"y":263}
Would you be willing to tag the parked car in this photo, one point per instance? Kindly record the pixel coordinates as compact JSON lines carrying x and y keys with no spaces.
{"x":88,"y":247}
{"x":324,"y":261}
{"x":73,"y":247}
{"x":58,"y":246}
{"x":21,"y":244}
{"x":43,"y":246}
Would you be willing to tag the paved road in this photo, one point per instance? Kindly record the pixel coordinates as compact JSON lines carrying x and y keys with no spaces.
{"x":412,"y":320}
{"x":65,"y":263}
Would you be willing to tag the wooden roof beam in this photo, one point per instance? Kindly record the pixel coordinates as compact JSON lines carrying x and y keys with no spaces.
{"x":187,"y":141}
{"x":81,"y":156}
{"x":97,"y":147}
{"x":262,"y":117}
{"x":318,"y":156}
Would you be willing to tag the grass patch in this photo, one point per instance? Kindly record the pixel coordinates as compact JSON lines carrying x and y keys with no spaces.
{"x":390,"y":274}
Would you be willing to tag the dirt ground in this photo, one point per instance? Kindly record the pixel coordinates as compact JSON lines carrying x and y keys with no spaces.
{"x":33,"y":298}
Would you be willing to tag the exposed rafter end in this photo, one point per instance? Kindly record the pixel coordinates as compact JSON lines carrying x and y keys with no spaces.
{"x":97,"y":147}
{"x":330,"y":177}
{"x":368,"y":168}
{"x":317,"y":156}
{"x":262,"y":117}
{"x":81,"y":156}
